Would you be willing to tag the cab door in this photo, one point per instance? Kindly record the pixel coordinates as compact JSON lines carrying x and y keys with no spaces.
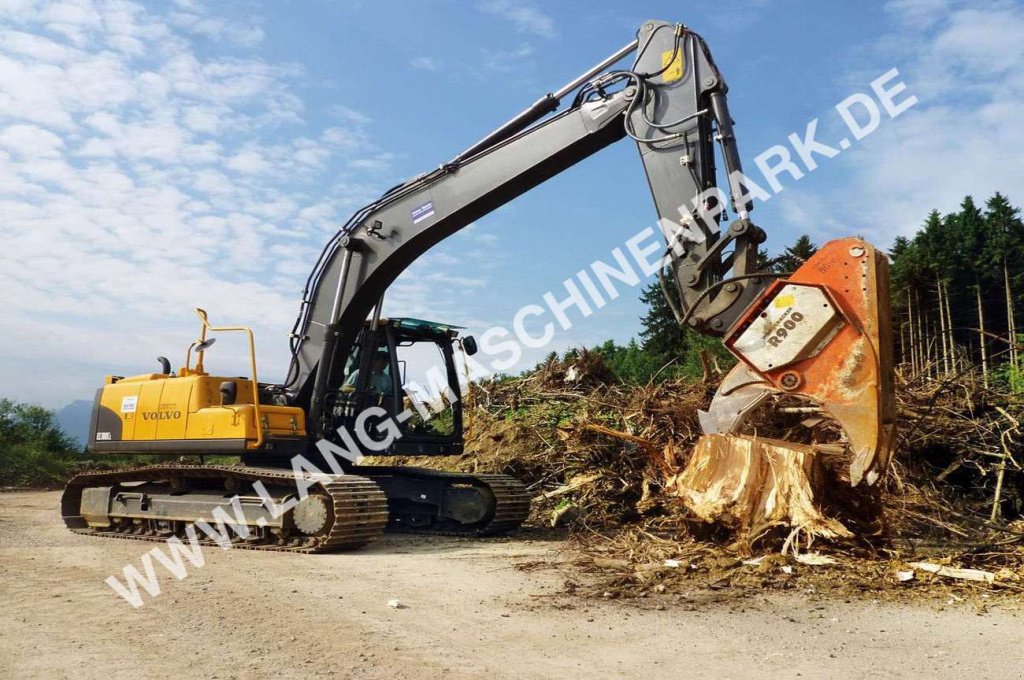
{"x":429,"y":381}
{"x":370,"y":379}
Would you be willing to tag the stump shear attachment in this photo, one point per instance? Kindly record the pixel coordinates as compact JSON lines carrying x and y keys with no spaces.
{"x":824,"y":334}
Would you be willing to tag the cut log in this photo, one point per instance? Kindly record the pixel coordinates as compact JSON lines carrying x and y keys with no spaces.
{"x":751,"y":482}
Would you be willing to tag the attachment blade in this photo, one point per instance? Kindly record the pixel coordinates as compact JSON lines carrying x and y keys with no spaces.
{"x":825,"y":334}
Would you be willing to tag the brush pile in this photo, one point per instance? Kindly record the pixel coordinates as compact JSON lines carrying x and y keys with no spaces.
{"x":598,"y":456}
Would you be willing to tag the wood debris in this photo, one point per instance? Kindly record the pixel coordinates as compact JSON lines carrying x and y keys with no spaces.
{"x":574,"y":484}
{"x":815,"y":559}
{"x":606,"y":458}
{"x":952,"y":572}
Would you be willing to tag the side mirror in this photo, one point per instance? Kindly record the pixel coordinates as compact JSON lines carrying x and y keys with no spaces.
{"x":228,"y":392}
{"x":205,"y":345}
{"x":469,"y":345}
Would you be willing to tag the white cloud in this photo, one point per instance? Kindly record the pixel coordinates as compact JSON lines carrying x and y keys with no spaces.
{"x":918,"y":13}
{"x":74,"y":13}
{"x":249,"y":161}
{"x":155,"y":139}
{"x":206,"y":119}
{"x":140,"y":177}
{"x":377,"y":162}
{"x":351,"y":115}
{"x":424,"y":63}
{"x":31,"y":141}
{"x":214,"y":28}
{"x":503,"y":61}
{"x":524,"y":15}
{"x":963,"y":137}
{"x":37,"y":47}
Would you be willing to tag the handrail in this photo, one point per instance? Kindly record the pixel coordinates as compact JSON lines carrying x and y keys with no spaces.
{"x":201,"y":313}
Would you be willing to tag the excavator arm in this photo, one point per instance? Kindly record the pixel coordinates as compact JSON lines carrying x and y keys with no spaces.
{"x":672,"y":103}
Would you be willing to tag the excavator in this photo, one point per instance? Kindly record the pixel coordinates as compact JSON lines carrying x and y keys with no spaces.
{"x":820,"y":333}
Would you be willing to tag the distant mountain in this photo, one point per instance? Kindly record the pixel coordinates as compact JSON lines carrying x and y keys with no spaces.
{"x":74,"y":420}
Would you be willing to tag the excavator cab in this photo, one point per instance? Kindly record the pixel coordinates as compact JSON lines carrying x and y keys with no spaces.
{"x":406,"y":367}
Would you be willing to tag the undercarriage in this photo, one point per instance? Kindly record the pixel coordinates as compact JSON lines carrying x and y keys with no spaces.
{"x":276,"y":509}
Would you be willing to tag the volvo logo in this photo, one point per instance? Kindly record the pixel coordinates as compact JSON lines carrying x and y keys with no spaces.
{"x":161,"y":415}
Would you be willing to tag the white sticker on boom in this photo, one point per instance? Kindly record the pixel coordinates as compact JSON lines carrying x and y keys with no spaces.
{"x":128,"y":404}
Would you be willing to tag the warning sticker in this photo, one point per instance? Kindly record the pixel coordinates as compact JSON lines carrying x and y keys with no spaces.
{"x":672,"y":62}
{"x":785,"y":301}
{"x":423,"y":212}
{"x":128,"y":404}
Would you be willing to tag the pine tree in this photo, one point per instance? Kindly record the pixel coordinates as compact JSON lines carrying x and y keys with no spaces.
{"x":909,"y":271}
{"x":795,"y":255}
{"x":937,"y":241}
{"x":661,"y":336}
{"x":1004,"y":254}
{"x":971,"y":232}
{"x":900,"y":246}
{"x":955,"y":285}
{"x":665,"y":341}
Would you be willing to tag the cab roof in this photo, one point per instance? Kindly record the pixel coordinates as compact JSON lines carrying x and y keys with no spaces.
{"x":411,"y":324}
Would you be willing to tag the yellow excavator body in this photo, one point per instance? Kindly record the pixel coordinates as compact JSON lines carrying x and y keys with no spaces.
{"x":155,"y":413}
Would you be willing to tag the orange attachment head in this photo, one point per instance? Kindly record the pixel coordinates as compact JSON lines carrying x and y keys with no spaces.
{"x":825,"y":333}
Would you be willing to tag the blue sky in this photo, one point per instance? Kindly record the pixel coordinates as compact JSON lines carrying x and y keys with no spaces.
{"x":160,"y":156}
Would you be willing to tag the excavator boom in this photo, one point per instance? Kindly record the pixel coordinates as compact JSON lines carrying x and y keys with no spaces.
{"x":671,"y":102}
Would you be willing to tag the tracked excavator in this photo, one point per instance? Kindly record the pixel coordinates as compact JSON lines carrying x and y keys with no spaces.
{"x":820,"y":333}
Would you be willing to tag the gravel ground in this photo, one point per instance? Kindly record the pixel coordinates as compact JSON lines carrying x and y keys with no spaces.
{"x":468,"y":608}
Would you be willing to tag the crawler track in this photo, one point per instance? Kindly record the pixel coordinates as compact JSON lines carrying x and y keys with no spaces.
{"x":511,"y":502}
{"x":358,"y":508}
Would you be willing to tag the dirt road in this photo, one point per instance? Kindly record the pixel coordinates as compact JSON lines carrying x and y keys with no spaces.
{"x":467,"y":611}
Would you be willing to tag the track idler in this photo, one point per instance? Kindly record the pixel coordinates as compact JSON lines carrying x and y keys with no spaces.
{"x":450,"y":503}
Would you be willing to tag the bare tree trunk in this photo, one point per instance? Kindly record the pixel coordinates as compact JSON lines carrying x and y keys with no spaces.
{"x":981,"y":338}
{"x":999,"y":488}
{"x":903,"y":341}
{"x":942,"y":325}
{"x":706,"y":366}
{"x":922,"y":347}
{"x":949,"y":324}
{"x":1004,"y":438}
{"x":1011,"y":325}
{"x":915,"y":337}
{"x":928,"y":333}
{"x":949,"y":327}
